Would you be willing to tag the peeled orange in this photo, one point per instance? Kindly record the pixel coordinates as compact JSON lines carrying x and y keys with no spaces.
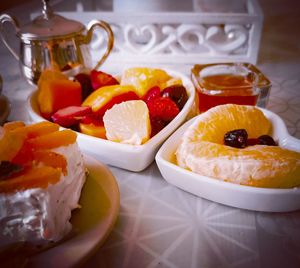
{"x":128,"y":122}
{"x":202,"y":150}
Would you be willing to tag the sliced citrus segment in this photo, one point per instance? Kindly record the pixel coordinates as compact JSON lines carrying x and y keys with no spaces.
{"x":103,"y":95}
{"x":39,"y":177}
{"x":202,"y":150}
{"x":212,"y":125}
{"x":144,"y":78}
{"x":128,"y":122}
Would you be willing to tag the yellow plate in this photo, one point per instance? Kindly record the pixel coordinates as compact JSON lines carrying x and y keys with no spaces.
{"x":100,"y":201}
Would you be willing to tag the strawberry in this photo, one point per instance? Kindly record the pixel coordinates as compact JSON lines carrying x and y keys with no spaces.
{"x":101,"y":79}
{"x":152,"y":93}
{"x":163,"y":108}
{"x":71,"y":115}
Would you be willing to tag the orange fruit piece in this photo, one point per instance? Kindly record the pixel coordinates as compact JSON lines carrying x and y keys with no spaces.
{"x":128,"y":122}
{"x":93,"y":130}
{"x":142,"y":79}
{"x":55,"y":94}
{"x":39,"y":177}
{"x":202,"y":150}
{"x":10,"y":144}
{"x":51,"y":159}
{"x":13,"y":125}
{"x":38,"y":129}
{"x":53,"y":140}
{"x":100,"y":97}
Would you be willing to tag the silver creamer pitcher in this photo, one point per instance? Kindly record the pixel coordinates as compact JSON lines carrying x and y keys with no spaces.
{"x":51,"y":40}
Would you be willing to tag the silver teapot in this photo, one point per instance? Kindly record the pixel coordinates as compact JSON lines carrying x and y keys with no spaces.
{"x":51,"y":40}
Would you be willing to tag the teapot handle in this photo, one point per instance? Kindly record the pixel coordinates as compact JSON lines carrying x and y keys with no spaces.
{"x":110,"y":43}
{"x":7,"y":18}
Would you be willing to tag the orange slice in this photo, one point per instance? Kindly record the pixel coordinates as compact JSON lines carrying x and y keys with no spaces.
{"x":128,"y":122}
{"x":202,"y":151}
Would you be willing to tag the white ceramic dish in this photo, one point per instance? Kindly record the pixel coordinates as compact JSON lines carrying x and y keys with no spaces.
{"x":92,"y":223}
{"x":131,"y":157}
{"x":245,"y":197}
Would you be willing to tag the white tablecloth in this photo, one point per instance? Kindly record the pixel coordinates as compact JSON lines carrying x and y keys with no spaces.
{"x":162,"y":226}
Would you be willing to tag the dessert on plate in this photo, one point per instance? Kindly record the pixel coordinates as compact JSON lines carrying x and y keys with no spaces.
{"x":41,"y":177}
{"x":233,"y":143}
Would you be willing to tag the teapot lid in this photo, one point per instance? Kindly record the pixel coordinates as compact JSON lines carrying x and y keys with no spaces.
{"x":50,"y":26}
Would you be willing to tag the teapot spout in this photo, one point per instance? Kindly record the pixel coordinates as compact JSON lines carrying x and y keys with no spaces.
{"x":7,"y":18}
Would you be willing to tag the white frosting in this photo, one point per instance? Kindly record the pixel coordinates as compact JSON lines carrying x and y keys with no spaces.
{"x":42,"y":215}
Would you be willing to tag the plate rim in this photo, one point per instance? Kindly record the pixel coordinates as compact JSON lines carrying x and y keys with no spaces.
{"x":46,"y":258}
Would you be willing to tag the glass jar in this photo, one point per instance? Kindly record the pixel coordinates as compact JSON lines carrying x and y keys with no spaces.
{"x":222,"y":83}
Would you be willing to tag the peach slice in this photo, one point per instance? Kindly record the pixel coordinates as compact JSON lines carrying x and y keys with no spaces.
{"x":38,"y":129}
{"x":53,"y":140}
{"x":51,"y":159}
{"x":13,"y":125}
{"x":39,"y":177}
{"x":10,"y":144}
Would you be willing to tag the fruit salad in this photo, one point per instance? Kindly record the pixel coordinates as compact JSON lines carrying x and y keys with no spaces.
{"x":130,"y":110}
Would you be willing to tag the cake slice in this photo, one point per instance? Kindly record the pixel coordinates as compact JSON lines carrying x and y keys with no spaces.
{"x":41,"y":176}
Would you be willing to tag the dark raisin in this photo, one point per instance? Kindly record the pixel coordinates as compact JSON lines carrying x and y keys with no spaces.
{"x":236,"y":138}
{"x":266,"y":140}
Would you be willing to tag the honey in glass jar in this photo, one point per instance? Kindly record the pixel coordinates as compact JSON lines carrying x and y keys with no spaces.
{"x":226,"y":83}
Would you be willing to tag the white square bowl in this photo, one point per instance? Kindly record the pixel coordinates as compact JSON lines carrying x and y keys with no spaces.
{"x":240,"y":196}
{"x":130,"y":157}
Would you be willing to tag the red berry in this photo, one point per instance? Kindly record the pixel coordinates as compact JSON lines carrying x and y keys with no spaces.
{"x":152,"y":93}
{"x":71,"y":115}
{"x":163,"y":108}
{"x":177,"y":93}
{"x":101,"y":79}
